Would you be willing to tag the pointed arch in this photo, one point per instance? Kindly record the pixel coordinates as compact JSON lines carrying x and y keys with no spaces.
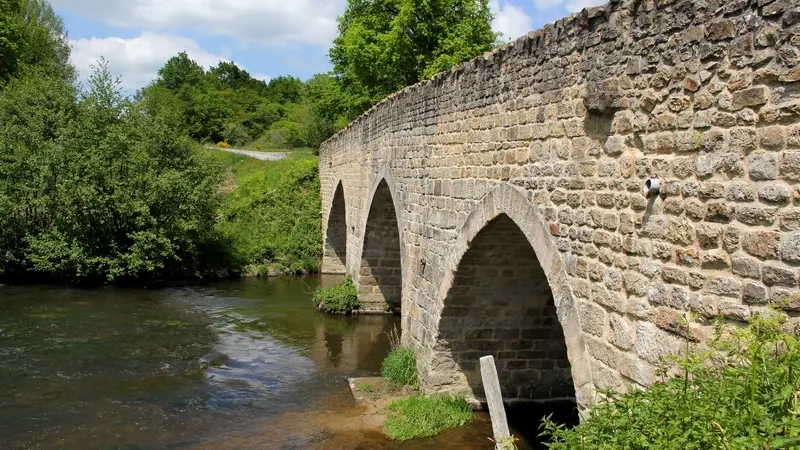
{"x":505,"y":292}
{"x":335,"y":239}
{"x":380,"y":274}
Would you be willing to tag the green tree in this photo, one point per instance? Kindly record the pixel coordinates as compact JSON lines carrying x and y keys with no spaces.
{"x":332,"y":104}
{"x":386,"y":45}
{"x":229,"y":75}
{"x":207,"y":114}
{"x":99,"y":186}
{"x":284,"y":90}
{"x":31,"y":34}
{"x":180,"y":72}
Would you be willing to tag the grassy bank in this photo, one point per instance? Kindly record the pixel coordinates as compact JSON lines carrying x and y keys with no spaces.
{"x":270,"y":213}
{"x":741,"y":393}
{"x":418,"y":416}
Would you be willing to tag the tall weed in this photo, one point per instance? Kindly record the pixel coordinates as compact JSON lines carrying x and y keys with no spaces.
{"x":740,"y":392}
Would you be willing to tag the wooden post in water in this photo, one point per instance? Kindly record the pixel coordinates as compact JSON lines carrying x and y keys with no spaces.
{"x":497,"y":412}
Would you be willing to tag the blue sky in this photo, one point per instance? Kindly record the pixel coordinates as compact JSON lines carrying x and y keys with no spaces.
{"x":268,"y":38}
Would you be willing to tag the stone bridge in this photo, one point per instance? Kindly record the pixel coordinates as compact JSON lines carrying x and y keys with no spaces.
{"x":500,"y":207}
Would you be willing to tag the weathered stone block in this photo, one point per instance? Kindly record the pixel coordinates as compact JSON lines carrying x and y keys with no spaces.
{"x":754,"y":294}
{"x":720,"y":212}
{"x":774,"y":193}
{"x":715,"y":260}
{"x":746,"y":267}
{"x":756,"y":214}
{"x":753,"y":96}
{"x":739,"y":191}
{"x":779,"y":276}
{"x":772,"y":138}
{"x":653,"y":344}
{"x":763,"y":244}
{"x":790,"y":248}
{"x":764,"y":166}
{"x":708,"y":235}
{"x":790,"y":166}
{"x":720,"y":29}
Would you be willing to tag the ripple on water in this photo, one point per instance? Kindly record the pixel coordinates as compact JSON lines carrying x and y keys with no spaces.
{"x":247,"y":364}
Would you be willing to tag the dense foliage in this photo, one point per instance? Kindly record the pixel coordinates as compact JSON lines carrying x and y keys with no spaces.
{"x":341,"y":298}
{"x":741,"y":393}
{"x":32,"y":35}
{"x":269,"y":217}
{"x":418,"y":416}
{"x":383,"y":46}
{"x":96,"y":186}
{"x":93,"y":186}
{"x":226,"y":104}
{"x":386,"y":45}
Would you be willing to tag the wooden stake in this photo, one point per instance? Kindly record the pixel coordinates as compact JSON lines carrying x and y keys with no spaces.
{"x":491,"y":386}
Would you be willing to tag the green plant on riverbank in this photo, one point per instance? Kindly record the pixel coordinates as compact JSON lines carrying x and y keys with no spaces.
{"x":400,"y":365}
{"x":270,"y":213}
{"x":97,"y":187}
{"x":419,"y":416}
{"x":741,"y":393}
{"x":341,"y":298}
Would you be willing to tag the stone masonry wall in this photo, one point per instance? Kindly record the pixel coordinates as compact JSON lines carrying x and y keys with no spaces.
{"x":501,"y":304}
{"x":379,"y":278}
{"x":335,"y":259}
{"x":559,"y":130}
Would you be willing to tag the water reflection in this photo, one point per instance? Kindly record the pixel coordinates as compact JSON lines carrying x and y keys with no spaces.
{"x":97,"y":368}
{"x":246,"y":364}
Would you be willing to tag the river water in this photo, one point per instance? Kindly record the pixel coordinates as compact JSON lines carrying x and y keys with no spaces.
{"x":244,"y":364}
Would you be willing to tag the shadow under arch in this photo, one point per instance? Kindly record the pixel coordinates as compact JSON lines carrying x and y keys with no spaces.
{"x":505,"y":293}
{"x":380,"y":277}
{"x":335,"y":250}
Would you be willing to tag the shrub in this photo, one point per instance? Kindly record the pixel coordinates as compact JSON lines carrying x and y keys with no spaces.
{"x":419,"y":416}
{"x":740,"y":393}
{"x":271,"y":217}
{"x":340,"y":298}
{"x":235,"y":134}
{"x":223,"y":144}
{"x":400,"y":367}
{"x":99,"y":187}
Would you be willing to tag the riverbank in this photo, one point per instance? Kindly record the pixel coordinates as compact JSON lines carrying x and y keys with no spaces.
{"x":268,"y":219}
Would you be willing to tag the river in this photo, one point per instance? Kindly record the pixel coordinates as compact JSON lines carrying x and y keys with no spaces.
{"x":241,"y":364}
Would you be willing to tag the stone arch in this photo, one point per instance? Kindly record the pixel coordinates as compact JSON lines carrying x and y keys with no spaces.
{"x":381,"y":271}
{"x":505,"y":292}
{"x":335,"y":248}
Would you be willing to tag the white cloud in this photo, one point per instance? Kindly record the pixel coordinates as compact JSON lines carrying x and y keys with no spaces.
{"x":510,"y":20}
{"x":267,"y":22}
{"x":577,"y":5}
{"x":261,"y":76}
{"x":138,"y":59}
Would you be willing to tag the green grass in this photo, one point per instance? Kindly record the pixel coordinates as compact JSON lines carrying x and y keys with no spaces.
{"x":340,"y":298}
{"x":418,"y":416}
{"x":400,"y":367}
{"x":364,"y":388}
{"x":270,"y":214}
{"x":741,"y":393}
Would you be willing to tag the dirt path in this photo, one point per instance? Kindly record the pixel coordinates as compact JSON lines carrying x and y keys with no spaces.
{"x":264,"y":156}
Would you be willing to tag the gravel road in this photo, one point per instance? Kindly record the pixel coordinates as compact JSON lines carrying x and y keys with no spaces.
{"x":264,"y":156}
